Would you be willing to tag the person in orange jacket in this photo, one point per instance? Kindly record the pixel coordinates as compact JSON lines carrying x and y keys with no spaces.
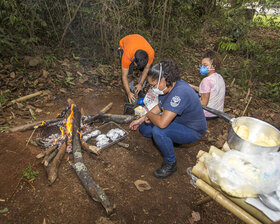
{"x":135,"y":52}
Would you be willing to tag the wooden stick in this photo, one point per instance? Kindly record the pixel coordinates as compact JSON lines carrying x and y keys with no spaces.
{"x":47,"y":152}
{"x":203,"y":200}
{"x":106,"y":108}
{"x":35,"y":128}
{"x":53,"y":168}
{"x":246,"y":106}
{"x":49,"y":158}
{"x":226,"y":203}
{"x":27,"y":97}
{"x":90,"y":148}
{"x":103,"y":111}
{"x":26,"y":127}
{"x":124,"y":145}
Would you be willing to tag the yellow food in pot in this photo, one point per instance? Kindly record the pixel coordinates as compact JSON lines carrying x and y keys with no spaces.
{"x":242,"y":131}
{"x":259,"y":139}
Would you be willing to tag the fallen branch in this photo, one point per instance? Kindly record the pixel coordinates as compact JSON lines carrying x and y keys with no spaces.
{"x":247,"y":106}
{"x":53,"y":168}
{"x":93,"y":189}
{"x":27,"y":97}
{"x":91,"y":119}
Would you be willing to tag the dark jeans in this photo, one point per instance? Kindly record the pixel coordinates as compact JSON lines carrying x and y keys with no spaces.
{"x":165,"y":137}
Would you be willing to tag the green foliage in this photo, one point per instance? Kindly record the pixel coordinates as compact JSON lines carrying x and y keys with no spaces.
{"x":226,"y":44}
{"x":49,"y":60}
{"x":270,"y":91}
{"x":29,"y":174}
{"x":69,"y":80}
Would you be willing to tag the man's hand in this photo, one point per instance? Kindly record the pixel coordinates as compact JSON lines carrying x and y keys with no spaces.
{"x":138,"y":88}
{"x":131,"y":97}
{"x":136,"y":123}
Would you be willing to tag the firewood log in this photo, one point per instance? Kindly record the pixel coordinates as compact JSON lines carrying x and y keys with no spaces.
{"x":47,"y":152}
{"x":53,"y":167}
{"x":90,"y":148}
{"x":93,"y":189}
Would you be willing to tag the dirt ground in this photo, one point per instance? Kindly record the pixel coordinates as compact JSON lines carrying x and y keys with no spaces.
{"x":115,"y":170}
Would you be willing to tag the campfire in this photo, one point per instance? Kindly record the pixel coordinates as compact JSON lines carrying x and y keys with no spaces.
{"x":68,"y":133}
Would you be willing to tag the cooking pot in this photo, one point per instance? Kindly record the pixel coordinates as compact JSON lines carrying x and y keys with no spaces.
{"x":255,"y":126}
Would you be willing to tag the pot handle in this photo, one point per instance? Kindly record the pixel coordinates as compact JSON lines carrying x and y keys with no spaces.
{"x":218,"y":113}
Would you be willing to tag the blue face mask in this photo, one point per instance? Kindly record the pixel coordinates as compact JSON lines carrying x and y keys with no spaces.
{"x":204,"y":70}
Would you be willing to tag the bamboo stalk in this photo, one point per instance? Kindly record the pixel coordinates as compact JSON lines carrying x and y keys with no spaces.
{"x":27,"y":97}
{"x":226,"y":203}
{"x":200,"y":171}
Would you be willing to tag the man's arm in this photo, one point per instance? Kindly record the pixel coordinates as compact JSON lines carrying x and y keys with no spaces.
{"x":204,"y":100}
{"x":196,"y":88}
{"x":138,"y":87}
{"x":126,"y":86}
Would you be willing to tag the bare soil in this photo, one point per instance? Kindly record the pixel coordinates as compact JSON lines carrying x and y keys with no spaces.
{"x":115,"y":170}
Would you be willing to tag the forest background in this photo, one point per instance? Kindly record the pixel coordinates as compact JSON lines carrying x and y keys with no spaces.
{"x":88,"y":31}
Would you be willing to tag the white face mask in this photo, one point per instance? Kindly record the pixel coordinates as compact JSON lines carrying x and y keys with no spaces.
{"x":157,"y":90}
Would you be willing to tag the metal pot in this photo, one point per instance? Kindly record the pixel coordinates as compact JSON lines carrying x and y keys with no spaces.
{"x":255,"y":126}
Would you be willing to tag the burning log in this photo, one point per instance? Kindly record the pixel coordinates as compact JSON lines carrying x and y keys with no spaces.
{"x":53,"y":168}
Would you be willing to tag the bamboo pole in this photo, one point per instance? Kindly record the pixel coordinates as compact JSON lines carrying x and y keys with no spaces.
{"x":226,"y":203}
{"x":27,"y":97}
{"x":200,"y":171}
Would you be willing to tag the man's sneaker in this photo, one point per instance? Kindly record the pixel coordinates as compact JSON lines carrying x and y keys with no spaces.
{"x":166,"y":170}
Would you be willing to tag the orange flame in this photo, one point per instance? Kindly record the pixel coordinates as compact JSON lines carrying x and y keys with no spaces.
{"x":69,"y":125}
{"x":62,"y":131}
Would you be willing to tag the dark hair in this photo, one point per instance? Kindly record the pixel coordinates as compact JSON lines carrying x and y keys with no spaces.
{"x":170,"y":72}
{"x":214,"y":58}
{"x":141,"y":59}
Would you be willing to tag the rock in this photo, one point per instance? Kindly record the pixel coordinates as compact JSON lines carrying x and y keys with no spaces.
{"x":12,"y":75}
{"x":103,"y":220}
{"x":45,"y":74}
{"x":34,"y":61}
{"x":38,"y":110}
{"x":142,"y":185}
